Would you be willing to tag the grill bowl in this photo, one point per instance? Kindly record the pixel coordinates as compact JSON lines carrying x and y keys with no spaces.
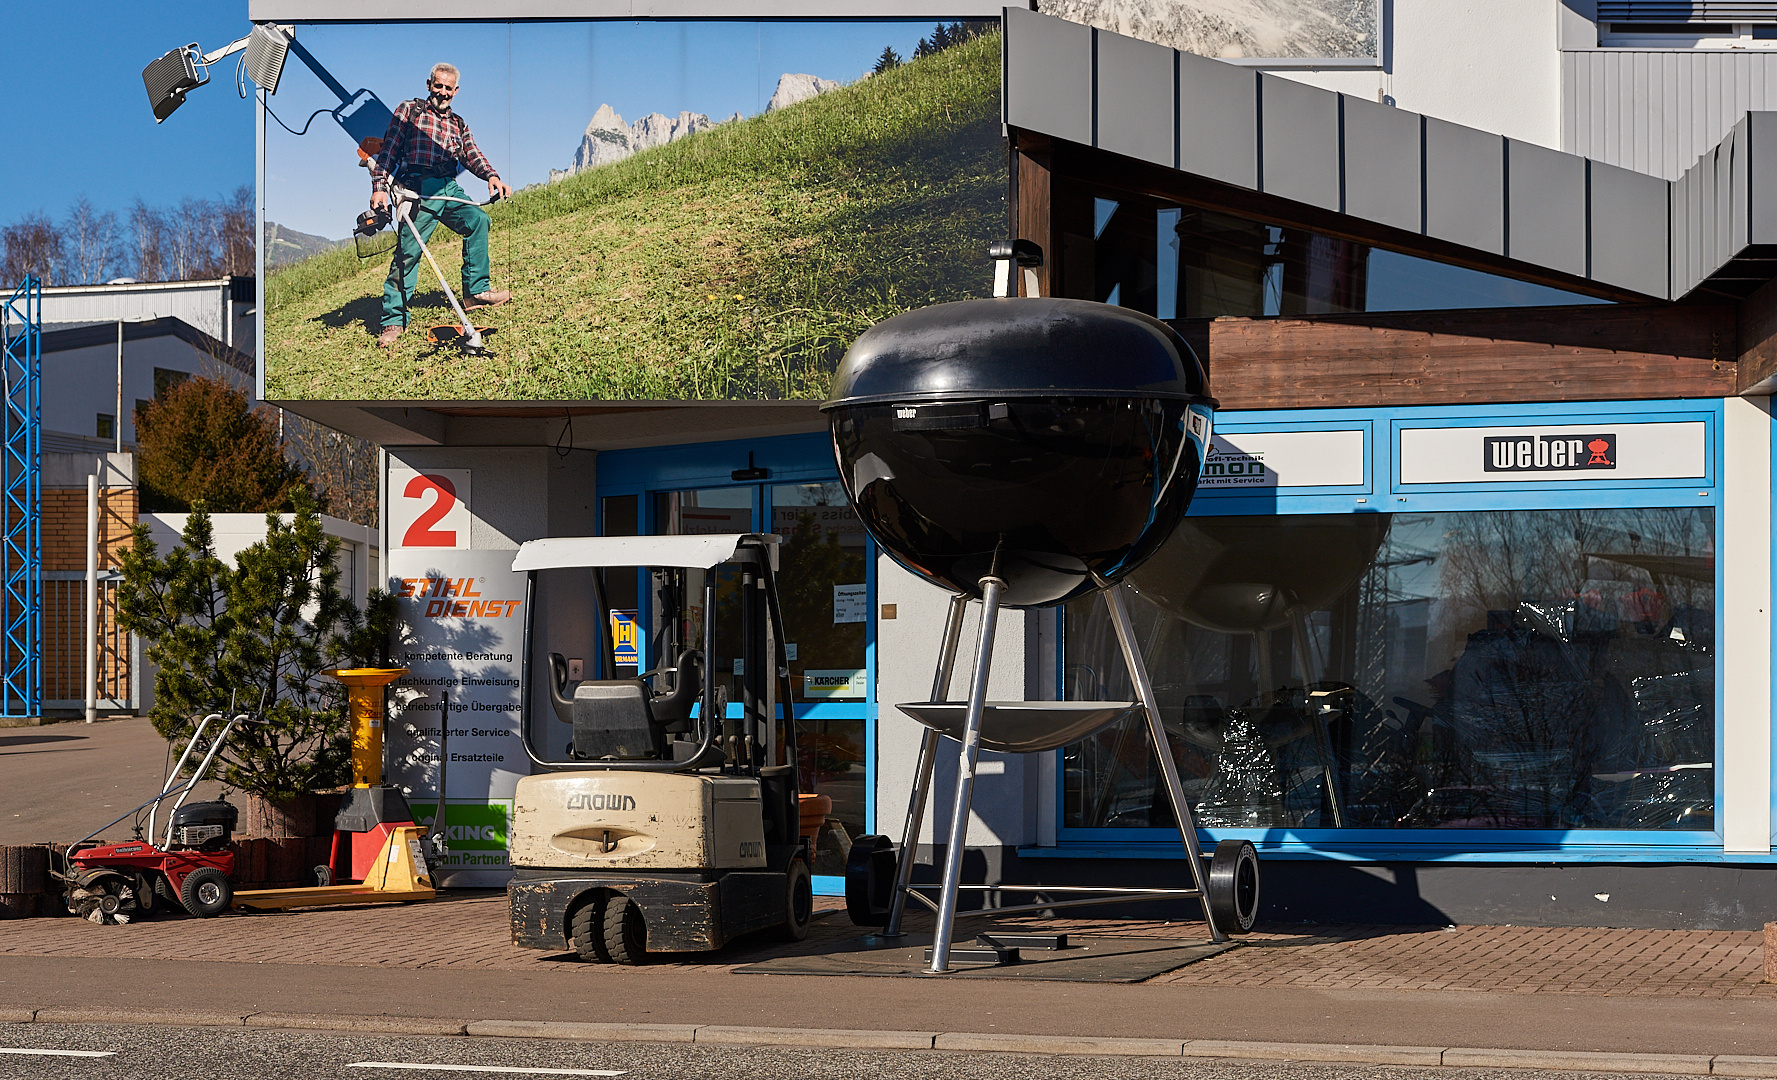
{"x":1052,"y":443}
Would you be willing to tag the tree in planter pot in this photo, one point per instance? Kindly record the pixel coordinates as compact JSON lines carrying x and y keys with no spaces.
{"x":257,"y":637}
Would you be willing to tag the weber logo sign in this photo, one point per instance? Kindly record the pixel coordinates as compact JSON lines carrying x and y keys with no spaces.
{"x":1560,"y":454}
{"x":1545,"y":453}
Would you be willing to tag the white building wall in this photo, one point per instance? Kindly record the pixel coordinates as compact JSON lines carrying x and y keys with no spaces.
{"x":1008,"y":787}
{"x":1488,"y":64}
{"x":78,"y":384}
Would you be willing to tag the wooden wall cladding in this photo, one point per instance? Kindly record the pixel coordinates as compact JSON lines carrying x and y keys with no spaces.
{"x":1587,"y":353}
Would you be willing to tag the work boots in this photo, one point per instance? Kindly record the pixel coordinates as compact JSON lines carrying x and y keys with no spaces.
{"x":389,"y":336}
{"x":493,"y":298}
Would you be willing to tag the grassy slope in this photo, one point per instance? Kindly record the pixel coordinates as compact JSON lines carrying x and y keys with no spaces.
{"x":738,"y":263}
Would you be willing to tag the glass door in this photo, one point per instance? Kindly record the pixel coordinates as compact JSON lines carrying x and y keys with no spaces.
{"x":824,"y":585}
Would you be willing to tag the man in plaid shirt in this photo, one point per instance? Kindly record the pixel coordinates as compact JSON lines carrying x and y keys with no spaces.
{"x":424,"y":148}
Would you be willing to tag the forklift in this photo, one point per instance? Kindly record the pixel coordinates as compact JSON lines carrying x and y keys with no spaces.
{"x":665,"y":818}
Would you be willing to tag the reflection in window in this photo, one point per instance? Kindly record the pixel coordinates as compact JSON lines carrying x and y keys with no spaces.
{"x":822,"y":584}
{"x":1549,"y":669}
{"x":1177,"y":262}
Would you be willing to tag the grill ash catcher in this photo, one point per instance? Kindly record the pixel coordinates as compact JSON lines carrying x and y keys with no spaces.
{"x":1022,"y":452}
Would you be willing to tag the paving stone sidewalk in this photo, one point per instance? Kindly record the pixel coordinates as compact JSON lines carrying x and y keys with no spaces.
{"x":468,"y":931}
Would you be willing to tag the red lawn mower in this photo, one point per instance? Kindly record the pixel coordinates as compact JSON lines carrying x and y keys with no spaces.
{"x":118,"y":883}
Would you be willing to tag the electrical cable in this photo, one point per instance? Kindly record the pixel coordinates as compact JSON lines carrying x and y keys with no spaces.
{"x":287,"y":127}
{"x":240,"y":88}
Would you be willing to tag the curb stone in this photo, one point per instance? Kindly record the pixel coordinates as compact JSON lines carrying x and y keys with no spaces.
{"x":590,"y":1032}
{"x":393,"y":1025}
{"x":1352,"y":1053}
{"x":1760,"y":1068}
{"x":860,"y":1040}
{"x":1579,"y":1061}
{"x":100,"y":1014}
{"x":1057,"y":1044}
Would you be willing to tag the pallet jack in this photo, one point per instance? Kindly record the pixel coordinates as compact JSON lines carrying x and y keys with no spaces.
{"x":379,"y":854}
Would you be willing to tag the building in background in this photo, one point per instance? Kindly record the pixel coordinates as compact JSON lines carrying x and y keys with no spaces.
{"x":1471,"y":619}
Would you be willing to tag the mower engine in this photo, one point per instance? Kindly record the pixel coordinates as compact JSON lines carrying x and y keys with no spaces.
{"x":205,"y":826}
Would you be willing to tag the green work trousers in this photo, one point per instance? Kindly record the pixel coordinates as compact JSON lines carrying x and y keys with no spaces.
{"x":469,"y":222}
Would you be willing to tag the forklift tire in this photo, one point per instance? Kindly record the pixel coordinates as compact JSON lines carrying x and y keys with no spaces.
{"x":626,"y":935}
{"x":798,"y":902}
{"x":586,"y":930}
{"x":206,"y":892}
{"x":1234,"y":886}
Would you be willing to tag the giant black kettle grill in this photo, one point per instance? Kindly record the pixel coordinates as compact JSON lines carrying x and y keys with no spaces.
{"x":1052,"y":444}
{"x":1022,"y":452}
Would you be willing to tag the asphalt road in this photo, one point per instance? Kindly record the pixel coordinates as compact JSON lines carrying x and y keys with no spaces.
{"x":172,"y":1053}
{"x":62,"y":781}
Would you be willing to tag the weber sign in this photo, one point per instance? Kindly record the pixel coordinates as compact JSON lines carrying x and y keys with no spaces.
{"x":1590,"y":452}
{"x":1543,"y":453}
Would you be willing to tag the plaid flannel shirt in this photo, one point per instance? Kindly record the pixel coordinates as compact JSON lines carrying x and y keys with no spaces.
{"x":423,"y":140}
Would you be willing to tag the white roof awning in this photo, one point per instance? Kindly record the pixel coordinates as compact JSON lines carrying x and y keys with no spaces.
{"x":564,"y":551}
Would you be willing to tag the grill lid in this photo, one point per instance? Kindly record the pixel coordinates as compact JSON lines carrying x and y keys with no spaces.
{"x":1017,"y":347}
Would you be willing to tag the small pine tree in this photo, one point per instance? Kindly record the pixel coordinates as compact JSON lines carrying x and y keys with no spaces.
{"x":941,"y":39}
{"x":889,"y":59}
{"x":200,"y":442}
{"x":924,"y":48}
{"x":255,"y":638}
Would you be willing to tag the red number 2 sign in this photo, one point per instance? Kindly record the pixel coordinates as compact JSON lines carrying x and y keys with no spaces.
{"x":430,"y":509}
{"x":421,"y":533}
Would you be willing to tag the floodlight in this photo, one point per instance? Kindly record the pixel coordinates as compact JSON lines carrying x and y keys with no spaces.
{"x":267,"y":46}
{"x":170,"y":78}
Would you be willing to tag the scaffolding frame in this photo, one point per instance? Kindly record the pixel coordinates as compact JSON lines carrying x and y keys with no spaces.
{"x":21,"y":503}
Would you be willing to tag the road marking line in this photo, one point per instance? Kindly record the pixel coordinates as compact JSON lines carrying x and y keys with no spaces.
{"x":485,"y":1068}
{"x":56,"y":1053}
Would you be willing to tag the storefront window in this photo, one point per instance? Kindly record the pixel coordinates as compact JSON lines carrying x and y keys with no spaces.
{"x":822,"y":584}
{"x":1500,"y":669}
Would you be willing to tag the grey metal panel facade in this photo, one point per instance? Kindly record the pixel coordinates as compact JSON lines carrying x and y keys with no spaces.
{"x":1761,"y":161}
{"x":1464,"y":185}
{"x":1298,"y":142}
{"x":1545,"y":206}
{"x":1681,"y":242}
{"x":1218,"y":120}
{"x":1135,"y":98}
{"x":1382,"y":159}
{"x":1049,"y":89}
{"x":1656,"y":111}
{"x":1629,"y":233}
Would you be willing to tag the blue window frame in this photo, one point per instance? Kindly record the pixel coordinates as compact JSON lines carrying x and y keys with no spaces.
{"x":1388,"y":484}
{"x":786,"y":460}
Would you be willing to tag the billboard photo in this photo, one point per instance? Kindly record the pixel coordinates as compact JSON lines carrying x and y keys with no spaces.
{"x":700,"y":209}
{"x":1285,"y":30}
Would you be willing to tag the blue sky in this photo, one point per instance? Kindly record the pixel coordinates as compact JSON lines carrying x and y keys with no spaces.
{"x":78,"y":109}
{"x":528,"y":89}
{"x":77,"y":117}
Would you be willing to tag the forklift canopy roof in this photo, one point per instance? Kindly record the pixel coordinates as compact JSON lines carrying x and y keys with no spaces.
{"x":697,"y":552}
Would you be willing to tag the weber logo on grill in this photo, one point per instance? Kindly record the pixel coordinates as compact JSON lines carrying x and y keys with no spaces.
{"x":1548,"y":453}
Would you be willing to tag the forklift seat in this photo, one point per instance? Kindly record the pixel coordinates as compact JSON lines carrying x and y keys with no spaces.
{"x":612,"y":720}
{"x":624,"y":718}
